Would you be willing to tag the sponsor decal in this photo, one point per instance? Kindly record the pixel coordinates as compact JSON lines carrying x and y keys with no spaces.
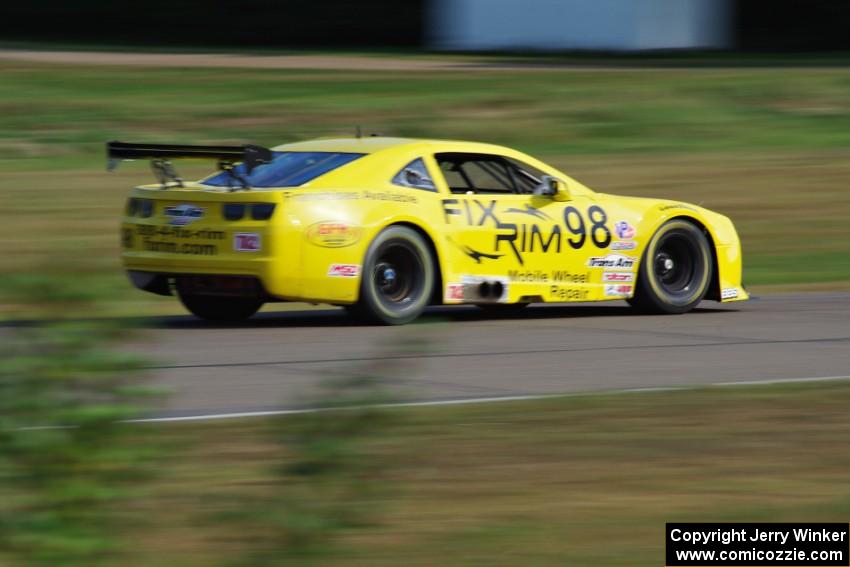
{"x":617,"y":290}
{"x":247,"y":242}
{"x":570,"y":277}
{"x":729,"y":293}
{"x":528,"y":276}
{"x":538,"y":233}
{"x":181,"y":215}
{"x":675,"y":206}
{"x":539,"y":276}
{"x":612,"y":261}
{"x":624,"y":230}
{"x":149,"y":245}
{"x":326,"y":196}
{"x":178,"y":240}
{"x":343,"y":270}
{"x":624,"y":245}
{"x":333,"y":234}
{"x":563,"y":293}
{"x":400,"y":197}
{"x":454,"y":292}
{"x":618,"y":277}
{"x":148,"y":230}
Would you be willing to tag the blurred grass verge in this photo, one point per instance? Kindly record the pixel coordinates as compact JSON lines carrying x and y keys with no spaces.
{"x":79,"y":484}
{"x":68,"y":468}
{"x":327,"y":474}
{"x":586,"y":480}
{"x":767,"y":147}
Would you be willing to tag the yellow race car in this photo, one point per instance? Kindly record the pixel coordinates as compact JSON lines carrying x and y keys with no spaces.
{"x":386,"y":226}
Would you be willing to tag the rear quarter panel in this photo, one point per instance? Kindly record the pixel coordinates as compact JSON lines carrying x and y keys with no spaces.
{"x":334,"y":228}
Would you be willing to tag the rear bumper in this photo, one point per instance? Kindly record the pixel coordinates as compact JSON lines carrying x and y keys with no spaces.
{"x":199,"y":284}
{"x":155,"y":275}
{"x":259,"y":267}
{"x":153,"y":255}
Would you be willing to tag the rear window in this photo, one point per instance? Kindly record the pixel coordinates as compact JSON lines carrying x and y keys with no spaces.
{"x":288,"y":169}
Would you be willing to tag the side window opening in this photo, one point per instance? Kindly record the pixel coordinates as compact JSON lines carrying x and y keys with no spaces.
{"x":488,"y":174}
{"x":527,"y":178}
{"x":456,"y":179}
{"x":415,"y":175}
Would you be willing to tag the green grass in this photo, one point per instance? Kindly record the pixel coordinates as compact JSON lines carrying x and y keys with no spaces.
{"x":586,"y":480}
{"x":67,"y":112}
{"x":766,"y":146}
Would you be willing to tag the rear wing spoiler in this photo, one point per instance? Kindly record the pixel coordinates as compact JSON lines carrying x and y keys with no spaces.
{"x":161,"y":155}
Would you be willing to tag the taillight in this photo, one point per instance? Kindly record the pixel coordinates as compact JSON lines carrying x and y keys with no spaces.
{"x":262,"y":211}
{"x":234,"y":211}
{"x":145,"y":208}
{"x":139,"y":207}
{"x":258,"y":211}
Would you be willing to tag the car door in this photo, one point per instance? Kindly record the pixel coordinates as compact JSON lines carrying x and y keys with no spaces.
{"x":510,"y":243}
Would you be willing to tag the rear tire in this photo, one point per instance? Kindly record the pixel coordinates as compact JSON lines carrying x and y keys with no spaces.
{"x":675,"y":271}
{"x":222,"y":309}
{"x":397,"y":280}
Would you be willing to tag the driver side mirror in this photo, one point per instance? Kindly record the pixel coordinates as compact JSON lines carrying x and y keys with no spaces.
{"x":555,"y":188}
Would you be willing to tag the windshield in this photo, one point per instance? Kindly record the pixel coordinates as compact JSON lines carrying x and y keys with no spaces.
{"x":287,"y":169}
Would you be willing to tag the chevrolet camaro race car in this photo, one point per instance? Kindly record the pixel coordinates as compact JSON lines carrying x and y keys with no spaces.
{"x":387,"y":226}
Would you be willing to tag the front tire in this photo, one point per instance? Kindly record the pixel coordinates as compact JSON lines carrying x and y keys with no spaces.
{"x":675,"y":271}
{"x":221,"y":309}
{"x":398,"y":276}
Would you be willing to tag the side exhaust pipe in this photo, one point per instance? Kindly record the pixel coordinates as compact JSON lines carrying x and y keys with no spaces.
{"x":491,"y":290}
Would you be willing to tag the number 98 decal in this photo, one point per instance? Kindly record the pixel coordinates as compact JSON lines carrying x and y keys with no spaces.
{"x":599,"y":232}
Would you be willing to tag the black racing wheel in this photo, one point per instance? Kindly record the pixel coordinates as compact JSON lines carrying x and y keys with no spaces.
{"x":675,"y":271}
{"x":214,"y":308}
{"x":398,"y":277}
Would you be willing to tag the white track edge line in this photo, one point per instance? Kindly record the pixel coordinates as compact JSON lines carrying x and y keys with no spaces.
{"x":488,"y":400}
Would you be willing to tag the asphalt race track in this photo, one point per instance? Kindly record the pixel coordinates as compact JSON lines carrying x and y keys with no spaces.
{"x":277,"y":360}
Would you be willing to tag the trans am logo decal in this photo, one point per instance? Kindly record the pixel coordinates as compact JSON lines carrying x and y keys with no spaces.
{"x":612,"y":261}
